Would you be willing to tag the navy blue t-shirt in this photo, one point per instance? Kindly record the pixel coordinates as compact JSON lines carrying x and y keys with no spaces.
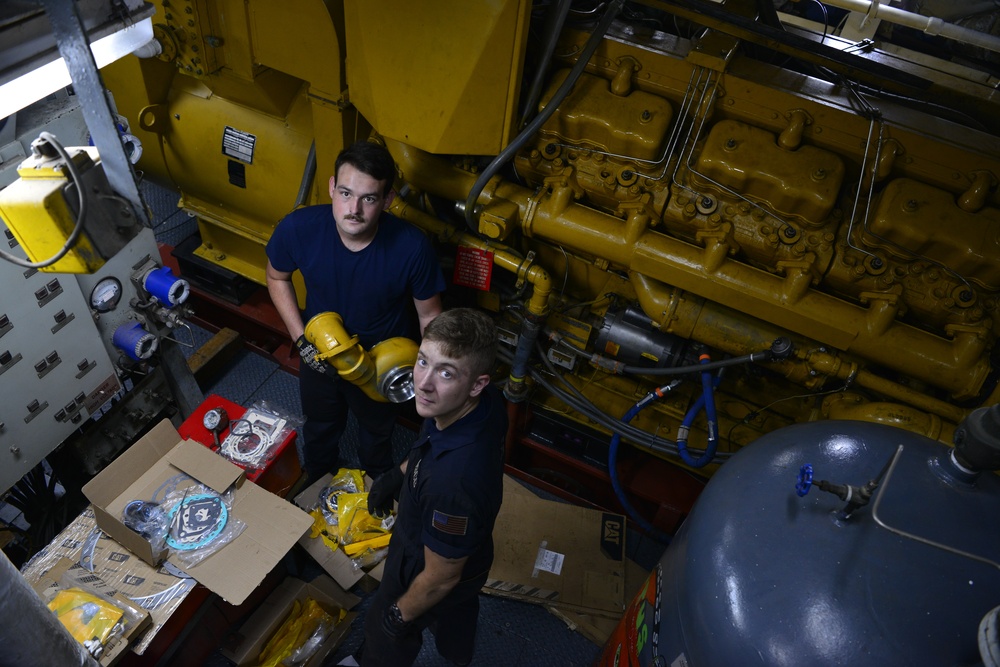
{"x":453,"y":489}
{"x":372,"y":289}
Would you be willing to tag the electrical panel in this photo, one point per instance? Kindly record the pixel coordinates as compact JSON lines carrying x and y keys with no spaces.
{"x":55,"y":371}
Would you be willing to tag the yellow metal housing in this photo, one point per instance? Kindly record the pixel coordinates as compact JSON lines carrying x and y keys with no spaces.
{"x":42,"y":208}
{"x":450,"y":82}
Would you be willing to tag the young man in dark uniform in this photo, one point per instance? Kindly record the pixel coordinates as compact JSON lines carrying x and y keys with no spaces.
{"x":367,"y":266}
{"x":450,"y":489}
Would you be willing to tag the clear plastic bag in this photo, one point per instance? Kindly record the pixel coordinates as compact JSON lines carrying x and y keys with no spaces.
{"x":199,"y":523}
{"x":347,"y":480}
{"x":96,"y":618}
{"x":147,"y":518}
{"x":255,"y":438}
{"x":300,"y":635}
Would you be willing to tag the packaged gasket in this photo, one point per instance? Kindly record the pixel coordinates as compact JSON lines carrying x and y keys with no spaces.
{"x":254,"y":439}
{"x":199,"y":522}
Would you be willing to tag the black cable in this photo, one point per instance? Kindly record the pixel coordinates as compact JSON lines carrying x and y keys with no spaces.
{"x":753,"y":357}
{"x":529,"y":131}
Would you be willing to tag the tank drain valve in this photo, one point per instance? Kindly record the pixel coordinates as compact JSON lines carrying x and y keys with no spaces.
{"x":856,"y":497}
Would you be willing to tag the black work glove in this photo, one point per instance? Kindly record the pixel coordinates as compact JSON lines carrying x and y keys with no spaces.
{"x":384,"y":490}
{"x":393,"y":624}
{"x":308,"y":352}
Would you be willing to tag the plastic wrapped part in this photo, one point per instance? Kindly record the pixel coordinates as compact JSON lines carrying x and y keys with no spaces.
{"x":355,"y":523}
{"x":90,"y":619}
{"x":254,"y":439}
{"x":199,"y":523}
{"x":324,"y":508}
{"x":369,"y":558}
{"x":94,"y":615}
{"x":299,"y":636}
{"x":148,"y":519}
{"x":347,"y":480}
{"x":32,"y":635}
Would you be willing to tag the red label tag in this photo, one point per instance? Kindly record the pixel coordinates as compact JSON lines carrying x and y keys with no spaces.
{"x":473,"y":268}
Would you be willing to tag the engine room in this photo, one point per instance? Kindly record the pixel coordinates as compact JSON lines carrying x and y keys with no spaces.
{"x":746,"y":234}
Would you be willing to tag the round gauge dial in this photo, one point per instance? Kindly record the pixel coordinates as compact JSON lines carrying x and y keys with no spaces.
{"x":216,"y":420}
{"x":106,"y":294}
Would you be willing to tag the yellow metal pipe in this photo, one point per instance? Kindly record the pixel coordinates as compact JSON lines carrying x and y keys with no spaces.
{"x":503,"y":256}
{"x":385,"y":374}
{"x":821,"y":317}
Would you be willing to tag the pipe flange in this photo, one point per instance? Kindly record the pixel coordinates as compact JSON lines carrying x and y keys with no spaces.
{"x":523,"y":268}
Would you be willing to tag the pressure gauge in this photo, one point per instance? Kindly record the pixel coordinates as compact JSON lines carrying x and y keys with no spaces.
{"x":106,"y":294}
{"x":215,"y":421}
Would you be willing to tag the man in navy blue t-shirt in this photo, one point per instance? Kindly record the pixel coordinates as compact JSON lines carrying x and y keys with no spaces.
{"x":369,"y":267}
{"x":450,"y":489}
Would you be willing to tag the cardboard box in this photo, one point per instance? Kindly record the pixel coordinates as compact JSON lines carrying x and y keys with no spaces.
{"x":334,"y":563}
{"x":557,"y":554}
{"x":244,"y":646}
{"x":162,"y":458}
{"x":49,"y":583}
{"x":154,"y":589}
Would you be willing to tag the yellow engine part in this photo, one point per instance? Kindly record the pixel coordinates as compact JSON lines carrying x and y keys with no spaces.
{"x":230,"y":111}
{"x":385,"y":374}
{"x":41,"y":210}
{"x":450,"y":82}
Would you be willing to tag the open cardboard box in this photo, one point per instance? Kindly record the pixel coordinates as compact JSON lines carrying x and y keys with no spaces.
{"x":48,"y":584}
{"x":335,"y":563}
{"x":558,"y":555}
{"x":244,"y":646}
{"x":161,"y":458}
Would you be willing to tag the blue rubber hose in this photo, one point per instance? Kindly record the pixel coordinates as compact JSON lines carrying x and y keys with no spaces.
{"x":706,"y":401}
{"x":655,"y":532}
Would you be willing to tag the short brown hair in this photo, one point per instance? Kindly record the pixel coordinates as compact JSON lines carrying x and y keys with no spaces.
{"x":465,"y":333}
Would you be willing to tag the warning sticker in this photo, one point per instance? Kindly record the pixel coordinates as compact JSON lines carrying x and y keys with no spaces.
{"x":238,"y":145}
{"x":473,"y":268}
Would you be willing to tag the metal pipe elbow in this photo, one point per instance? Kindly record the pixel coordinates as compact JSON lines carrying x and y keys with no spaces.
{"x":385,"y":374}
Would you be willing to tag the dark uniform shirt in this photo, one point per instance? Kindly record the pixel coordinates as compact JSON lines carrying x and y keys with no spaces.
{"x":371,"y":289}
{"x":452,"y":492}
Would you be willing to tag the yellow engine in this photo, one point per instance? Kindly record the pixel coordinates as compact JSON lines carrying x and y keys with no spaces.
{"x":675,"y":185}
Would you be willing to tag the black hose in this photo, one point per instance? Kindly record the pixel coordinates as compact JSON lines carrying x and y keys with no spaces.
{"x":553,"y":26}
{"x":581,"y":404}
{"x":512,"y":148}
{"x":698,"y":368}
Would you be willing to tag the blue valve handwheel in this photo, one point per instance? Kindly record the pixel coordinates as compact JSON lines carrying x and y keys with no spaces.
{"x":805,"y":480}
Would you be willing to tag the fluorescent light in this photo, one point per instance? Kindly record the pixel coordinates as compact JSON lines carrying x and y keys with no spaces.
{"x":47,"y":79}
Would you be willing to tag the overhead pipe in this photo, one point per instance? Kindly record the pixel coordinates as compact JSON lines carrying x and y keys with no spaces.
{"x":875,"y":9}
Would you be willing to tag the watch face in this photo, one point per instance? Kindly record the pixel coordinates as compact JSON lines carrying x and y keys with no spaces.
{"x":106,"y":294}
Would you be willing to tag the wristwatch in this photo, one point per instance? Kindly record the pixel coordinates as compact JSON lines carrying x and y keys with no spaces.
{"x":396,"y":615}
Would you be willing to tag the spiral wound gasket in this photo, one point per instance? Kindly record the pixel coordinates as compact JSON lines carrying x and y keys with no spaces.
{"x":196,"y":521}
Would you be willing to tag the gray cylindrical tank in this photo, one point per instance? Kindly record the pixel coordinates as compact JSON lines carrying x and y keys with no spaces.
{"x":759,"y":575}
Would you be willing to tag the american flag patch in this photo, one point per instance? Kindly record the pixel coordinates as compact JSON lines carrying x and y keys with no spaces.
{"x":446,"y":523}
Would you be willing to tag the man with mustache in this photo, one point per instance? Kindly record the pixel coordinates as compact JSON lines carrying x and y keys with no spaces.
{"x":368,"y":266}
